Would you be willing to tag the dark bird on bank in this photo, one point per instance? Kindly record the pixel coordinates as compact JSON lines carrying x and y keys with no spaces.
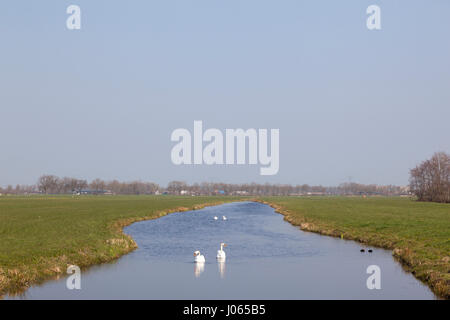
{"x":362,"y":250}
{"x":370,"y":250}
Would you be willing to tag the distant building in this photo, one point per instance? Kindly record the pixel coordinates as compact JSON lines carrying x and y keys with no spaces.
{"x":95,"y":192}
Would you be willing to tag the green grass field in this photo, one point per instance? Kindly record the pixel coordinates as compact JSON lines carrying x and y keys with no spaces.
{"x":40,"y":236}
{"x":418,"y":232}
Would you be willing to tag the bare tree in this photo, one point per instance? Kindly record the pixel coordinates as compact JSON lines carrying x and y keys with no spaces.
{"x":97,"y":185}
{"x":176,"y":186}
{"x":430,"y":181}
{"x":48,"y":184}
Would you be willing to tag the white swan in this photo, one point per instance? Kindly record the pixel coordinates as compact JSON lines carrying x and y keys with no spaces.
{"x":215,"y":218}
{"x":220,"y":253}
{"x":224,"y":218}
{"x":198,"y":257}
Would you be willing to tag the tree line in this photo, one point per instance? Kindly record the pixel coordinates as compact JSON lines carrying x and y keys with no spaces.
{"x":50,"y":184}
{"x":207,"y":188}
{"x":430,"y":180}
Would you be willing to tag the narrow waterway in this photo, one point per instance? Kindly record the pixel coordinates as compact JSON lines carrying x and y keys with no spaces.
{"x":267,"y":258}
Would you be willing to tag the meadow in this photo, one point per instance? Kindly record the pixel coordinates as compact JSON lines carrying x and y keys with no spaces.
{"x":41,"y":235}
{"x":417,"y":232}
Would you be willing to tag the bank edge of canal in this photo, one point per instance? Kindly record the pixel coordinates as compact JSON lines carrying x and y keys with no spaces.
{"x":403,"y":251}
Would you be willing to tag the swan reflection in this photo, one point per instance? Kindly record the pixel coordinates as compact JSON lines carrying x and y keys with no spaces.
{"x":221,"y":266}
{"x":199,"y":267}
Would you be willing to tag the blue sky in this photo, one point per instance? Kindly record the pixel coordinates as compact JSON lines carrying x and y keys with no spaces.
{"x":102,"y":101}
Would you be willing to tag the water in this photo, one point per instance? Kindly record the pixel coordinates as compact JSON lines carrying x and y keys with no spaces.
{"x":267,"y":258}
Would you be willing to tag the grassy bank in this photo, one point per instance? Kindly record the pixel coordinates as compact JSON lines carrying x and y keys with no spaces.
{"x":417,"y":232}
{"x":40,"y":236}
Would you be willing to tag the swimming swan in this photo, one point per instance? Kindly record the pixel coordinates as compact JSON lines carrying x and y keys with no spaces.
{"x":198,"y":257}
{"x":215,"y":218}
{"x":224,"y":218}
{"x":220,"y":253}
